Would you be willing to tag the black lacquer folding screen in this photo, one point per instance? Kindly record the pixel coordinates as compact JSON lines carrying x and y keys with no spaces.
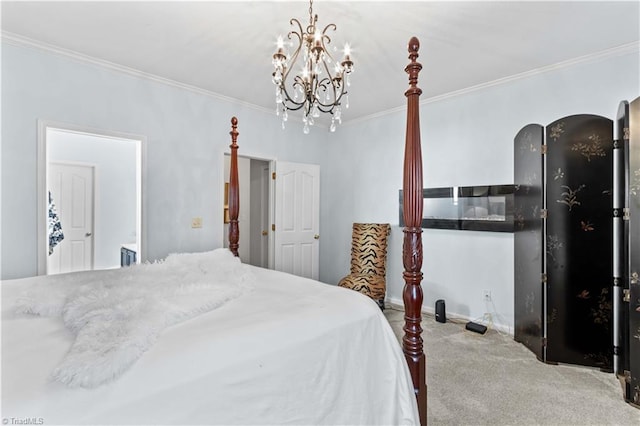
{"x":527,"y":226}
{"x":631,"y":264}
{"x":577,"y":242}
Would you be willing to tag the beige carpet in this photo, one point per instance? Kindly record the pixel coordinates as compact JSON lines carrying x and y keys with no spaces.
{"x":490,"y":379}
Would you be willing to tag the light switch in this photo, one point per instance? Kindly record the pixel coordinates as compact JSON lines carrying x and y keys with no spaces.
{"x":196,"y":222}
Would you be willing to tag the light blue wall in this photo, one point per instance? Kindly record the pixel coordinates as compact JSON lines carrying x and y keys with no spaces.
{"x":187,"y":135}
{"x":466,"y":140}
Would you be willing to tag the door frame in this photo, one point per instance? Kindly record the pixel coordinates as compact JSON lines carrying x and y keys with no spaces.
{"x":43,"y":170}
{"x":259,"y":224}
{"x":271,"y":241}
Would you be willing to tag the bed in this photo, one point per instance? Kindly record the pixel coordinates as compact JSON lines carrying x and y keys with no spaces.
{"x":269,"y":348}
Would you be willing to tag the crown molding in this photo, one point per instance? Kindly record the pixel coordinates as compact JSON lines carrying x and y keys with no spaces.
{"x":633,"y":47}
{"x":21,"y":41}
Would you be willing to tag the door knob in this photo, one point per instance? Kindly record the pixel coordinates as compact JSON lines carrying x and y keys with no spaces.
{"x":88,"y":234}
{"x":265,"y":233}
{"x":316,"y":237}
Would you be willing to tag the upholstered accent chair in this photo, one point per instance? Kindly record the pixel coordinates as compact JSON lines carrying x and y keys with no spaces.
{"x":368,"y":260}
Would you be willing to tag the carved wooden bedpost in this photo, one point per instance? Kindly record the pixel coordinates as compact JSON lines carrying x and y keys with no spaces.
{"x":234,"y":198}
{"x":412,"y":247}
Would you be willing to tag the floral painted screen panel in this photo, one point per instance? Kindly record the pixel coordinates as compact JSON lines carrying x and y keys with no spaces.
{"x":528,"y":237}
{"x":579,"y":241}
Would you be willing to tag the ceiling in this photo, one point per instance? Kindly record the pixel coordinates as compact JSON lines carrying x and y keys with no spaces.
{"x":225,"y":47}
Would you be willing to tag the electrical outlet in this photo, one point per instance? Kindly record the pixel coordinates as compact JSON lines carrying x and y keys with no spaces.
{"x":486,"y":295}
{"x":196,"y":222}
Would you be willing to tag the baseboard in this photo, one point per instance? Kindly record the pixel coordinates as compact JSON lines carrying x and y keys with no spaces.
{"x":451,"y":316}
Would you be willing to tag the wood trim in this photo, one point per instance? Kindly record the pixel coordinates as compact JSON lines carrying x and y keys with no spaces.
{"x":234,"y":190}
{"x":412,"y":247}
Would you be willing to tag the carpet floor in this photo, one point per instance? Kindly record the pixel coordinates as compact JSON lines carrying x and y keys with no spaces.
{"x":490,"y":379}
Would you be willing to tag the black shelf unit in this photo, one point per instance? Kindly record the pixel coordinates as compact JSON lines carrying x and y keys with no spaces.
{"x":470,"y":208}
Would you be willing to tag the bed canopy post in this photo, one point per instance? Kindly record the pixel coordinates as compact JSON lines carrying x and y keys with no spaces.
{"x":412,"y":246}
{"x":234,"y":198}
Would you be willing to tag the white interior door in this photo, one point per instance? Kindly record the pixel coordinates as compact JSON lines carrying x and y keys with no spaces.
{"x":72,"y":188}
{"x":297,"y":222}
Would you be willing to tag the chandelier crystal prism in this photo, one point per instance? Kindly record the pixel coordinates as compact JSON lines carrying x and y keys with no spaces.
{"x":321,"y":83}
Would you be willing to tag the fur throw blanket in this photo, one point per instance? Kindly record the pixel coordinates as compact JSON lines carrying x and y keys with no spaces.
{"x":117,"y":315}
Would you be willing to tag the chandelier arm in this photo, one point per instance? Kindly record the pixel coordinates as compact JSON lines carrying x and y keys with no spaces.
{"x":300,"y":30}
{"x":337,"y":84}
{"x":299,"y":34}
{"x":288,"y":101}
{"x":294,"y":108}
{"x":292,"y":60}
{"x":328,"y":84}
{"x":324,"y":32}
{"x":326,"y":40}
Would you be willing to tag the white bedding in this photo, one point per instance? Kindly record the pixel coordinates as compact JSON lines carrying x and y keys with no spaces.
{"x":117,"y":315}
{"x":292,"y":351}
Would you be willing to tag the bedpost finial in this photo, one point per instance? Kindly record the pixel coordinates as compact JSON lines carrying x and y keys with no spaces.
{"x":234,"y":132}
{"x":414,"y":45}
{"x":414,"y":67}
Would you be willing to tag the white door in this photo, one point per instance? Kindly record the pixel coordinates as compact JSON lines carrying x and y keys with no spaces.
{"x":72,"y":188}
{"x":297,"y":222}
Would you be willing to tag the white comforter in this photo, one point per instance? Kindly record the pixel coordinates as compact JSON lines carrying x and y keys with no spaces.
{"x":291,"y":351}
{"x":117,"y":315}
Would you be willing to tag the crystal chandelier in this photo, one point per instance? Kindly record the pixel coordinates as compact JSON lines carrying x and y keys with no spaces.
{"x":314,"y":89}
